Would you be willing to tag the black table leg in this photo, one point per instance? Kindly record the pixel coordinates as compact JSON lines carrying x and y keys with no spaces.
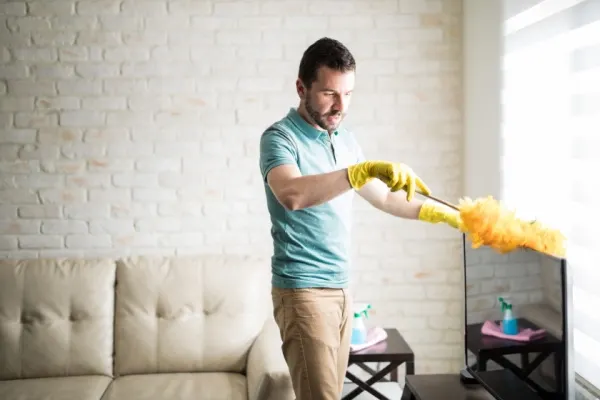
{"x":410,"y":368}
{"x":367,"y":386}
{"x":525,"y":360}
{"x":362,"y":386}
{"x":524,"y":375}
{"x":407,"y":394}
{"x":558,"y":370}
{"x":370,"y":370}
{"x":482,"y":363}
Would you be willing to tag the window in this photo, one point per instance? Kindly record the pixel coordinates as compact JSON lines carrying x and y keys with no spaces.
{"x":551,"y":144}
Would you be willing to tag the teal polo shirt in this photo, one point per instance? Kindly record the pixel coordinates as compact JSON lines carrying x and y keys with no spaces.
{"x":311,"y":246}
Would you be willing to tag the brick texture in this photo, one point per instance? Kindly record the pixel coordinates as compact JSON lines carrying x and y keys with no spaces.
{"x":516,"y":277}
{"x":132,"y":127}
{"x":522,"y":278}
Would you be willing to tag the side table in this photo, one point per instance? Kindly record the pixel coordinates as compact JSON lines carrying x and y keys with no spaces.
{"x":394,"y":351}
{"x":489,"y":348}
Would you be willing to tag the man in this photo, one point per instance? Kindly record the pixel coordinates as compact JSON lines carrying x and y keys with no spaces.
{"x":311,"y":166}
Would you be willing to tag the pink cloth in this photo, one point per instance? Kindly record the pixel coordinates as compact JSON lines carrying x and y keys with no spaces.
{"x":525,"y":335}
{"x":374,"y":335}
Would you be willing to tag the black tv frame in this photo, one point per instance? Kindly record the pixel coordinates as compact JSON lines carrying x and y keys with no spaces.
{"x":506,"y":385}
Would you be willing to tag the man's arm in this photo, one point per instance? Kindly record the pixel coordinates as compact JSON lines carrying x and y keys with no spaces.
{"x":296,"y":192}
{"x":279,"y":167}
{"x":394,"y":203}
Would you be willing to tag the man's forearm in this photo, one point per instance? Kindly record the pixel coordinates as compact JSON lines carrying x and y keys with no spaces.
{"x":312,"y":190}
{"x":397,"y":205}
{"x":427,"y":211}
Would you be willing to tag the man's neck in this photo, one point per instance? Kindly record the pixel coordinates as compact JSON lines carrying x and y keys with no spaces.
{"x":304,"y":114}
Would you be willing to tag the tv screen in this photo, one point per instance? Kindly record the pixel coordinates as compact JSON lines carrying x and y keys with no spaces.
{"x":528,"y":351}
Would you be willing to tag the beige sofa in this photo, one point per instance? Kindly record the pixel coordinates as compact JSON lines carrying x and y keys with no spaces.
{"x":194,"y":327}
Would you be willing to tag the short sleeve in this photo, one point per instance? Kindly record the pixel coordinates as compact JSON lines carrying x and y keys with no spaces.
{"x":276,"y":148}
{"x":360,"y":156}
{"x":356,"y":148}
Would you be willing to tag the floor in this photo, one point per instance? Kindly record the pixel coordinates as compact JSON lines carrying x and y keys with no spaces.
{"x":390,"y":389}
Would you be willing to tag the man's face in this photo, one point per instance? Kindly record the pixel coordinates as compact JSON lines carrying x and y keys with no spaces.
{"x":328,"y":98}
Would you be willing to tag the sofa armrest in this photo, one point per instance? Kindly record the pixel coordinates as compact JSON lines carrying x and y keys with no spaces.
{"x":267,"y":372}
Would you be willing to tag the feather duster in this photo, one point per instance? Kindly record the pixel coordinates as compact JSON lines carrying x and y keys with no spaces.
{"x":486,"y":222}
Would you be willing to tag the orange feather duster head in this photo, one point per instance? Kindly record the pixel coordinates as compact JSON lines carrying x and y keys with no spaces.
{"x":487,"y":223}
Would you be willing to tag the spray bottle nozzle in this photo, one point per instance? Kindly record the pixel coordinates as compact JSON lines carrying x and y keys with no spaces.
{"x":362,"y":310}
{"x":505,"y":305}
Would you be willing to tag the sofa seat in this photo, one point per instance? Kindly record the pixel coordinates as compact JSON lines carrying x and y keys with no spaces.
{"x":180,"y":386}
{"x":138,"y":328}
{"x":67,"y":388}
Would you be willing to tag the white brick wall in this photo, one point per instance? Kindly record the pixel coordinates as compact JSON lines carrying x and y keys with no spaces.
{"x":132,"y":127}
{"x":517,"y":277}
{"x":522,"y":278}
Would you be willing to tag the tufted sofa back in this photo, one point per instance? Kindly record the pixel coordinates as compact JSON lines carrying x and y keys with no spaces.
{"x":138,"y":315}
{"x":56,"y":317}
{"x":188,"y":314}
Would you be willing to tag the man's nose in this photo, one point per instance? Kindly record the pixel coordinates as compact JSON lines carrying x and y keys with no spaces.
{"x":340,"y":104}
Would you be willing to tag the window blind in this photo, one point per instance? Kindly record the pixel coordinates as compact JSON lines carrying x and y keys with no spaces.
{"x":551,"y":144}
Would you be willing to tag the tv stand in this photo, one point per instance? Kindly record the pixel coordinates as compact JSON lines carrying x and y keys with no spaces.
{"x":467,"y":379}
{"x":502,"y":385}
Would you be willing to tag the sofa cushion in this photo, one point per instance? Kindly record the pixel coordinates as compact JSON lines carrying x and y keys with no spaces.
{"x":67,"y":388}
{"x":180,"y":386}
{"x":188,"y":313}
{"x":56,"y":317}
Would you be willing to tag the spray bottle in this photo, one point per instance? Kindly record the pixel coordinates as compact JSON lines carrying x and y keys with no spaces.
{"x":509,"y":322}
{"x":359,"y":328}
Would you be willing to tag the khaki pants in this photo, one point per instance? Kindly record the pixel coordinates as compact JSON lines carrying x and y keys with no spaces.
{"x":315,"y":327}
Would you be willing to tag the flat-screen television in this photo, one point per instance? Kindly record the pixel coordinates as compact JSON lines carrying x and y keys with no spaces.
{"x":534,"y":364}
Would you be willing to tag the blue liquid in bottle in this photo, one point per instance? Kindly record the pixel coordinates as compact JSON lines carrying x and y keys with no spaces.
{"x":509,"y":323}
{"x":510,"y":326}
{"x":359,"y":330}
{"x":358,"y":336}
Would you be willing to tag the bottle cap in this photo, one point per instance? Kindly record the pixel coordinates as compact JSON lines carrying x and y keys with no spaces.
{"x":505,"y":305}
{"x":361,"y":309}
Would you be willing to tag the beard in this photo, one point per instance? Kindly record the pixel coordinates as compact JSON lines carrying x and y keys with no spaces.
{"x":321,"y":119}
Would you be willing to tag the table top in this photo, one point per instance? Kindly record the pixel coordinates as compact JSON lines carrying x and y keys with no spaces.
{"x":444,"y":387}
{"x":393,"y":348}
{"x":479,"y":343}
{"x":448,"y":386}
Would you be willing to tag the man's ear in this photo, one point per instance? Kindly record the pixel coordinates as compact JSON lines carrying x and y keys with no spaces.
{"x":300,"y":89}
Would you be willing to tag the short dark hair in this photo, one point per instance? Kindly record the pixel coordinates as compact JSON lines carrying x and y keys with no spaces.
{"x":324,"y":52}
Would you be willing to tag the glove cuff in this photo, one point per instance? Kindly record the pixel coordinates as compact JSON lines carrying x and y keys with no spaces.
{"x":357,"y":175}
{"x":435,"y":213}
{"x":352,"y":176}
{"x":430,"y":213}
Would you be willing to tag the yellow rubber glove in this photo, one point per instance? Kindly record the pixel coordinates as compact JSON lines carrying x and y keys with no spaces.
{"x":396,"y":176}
{"x":434,"y":212}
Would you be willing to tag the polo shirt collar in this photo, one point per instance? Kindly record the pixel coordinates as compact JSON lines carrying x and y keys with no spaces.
{"x":307,"y":128}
